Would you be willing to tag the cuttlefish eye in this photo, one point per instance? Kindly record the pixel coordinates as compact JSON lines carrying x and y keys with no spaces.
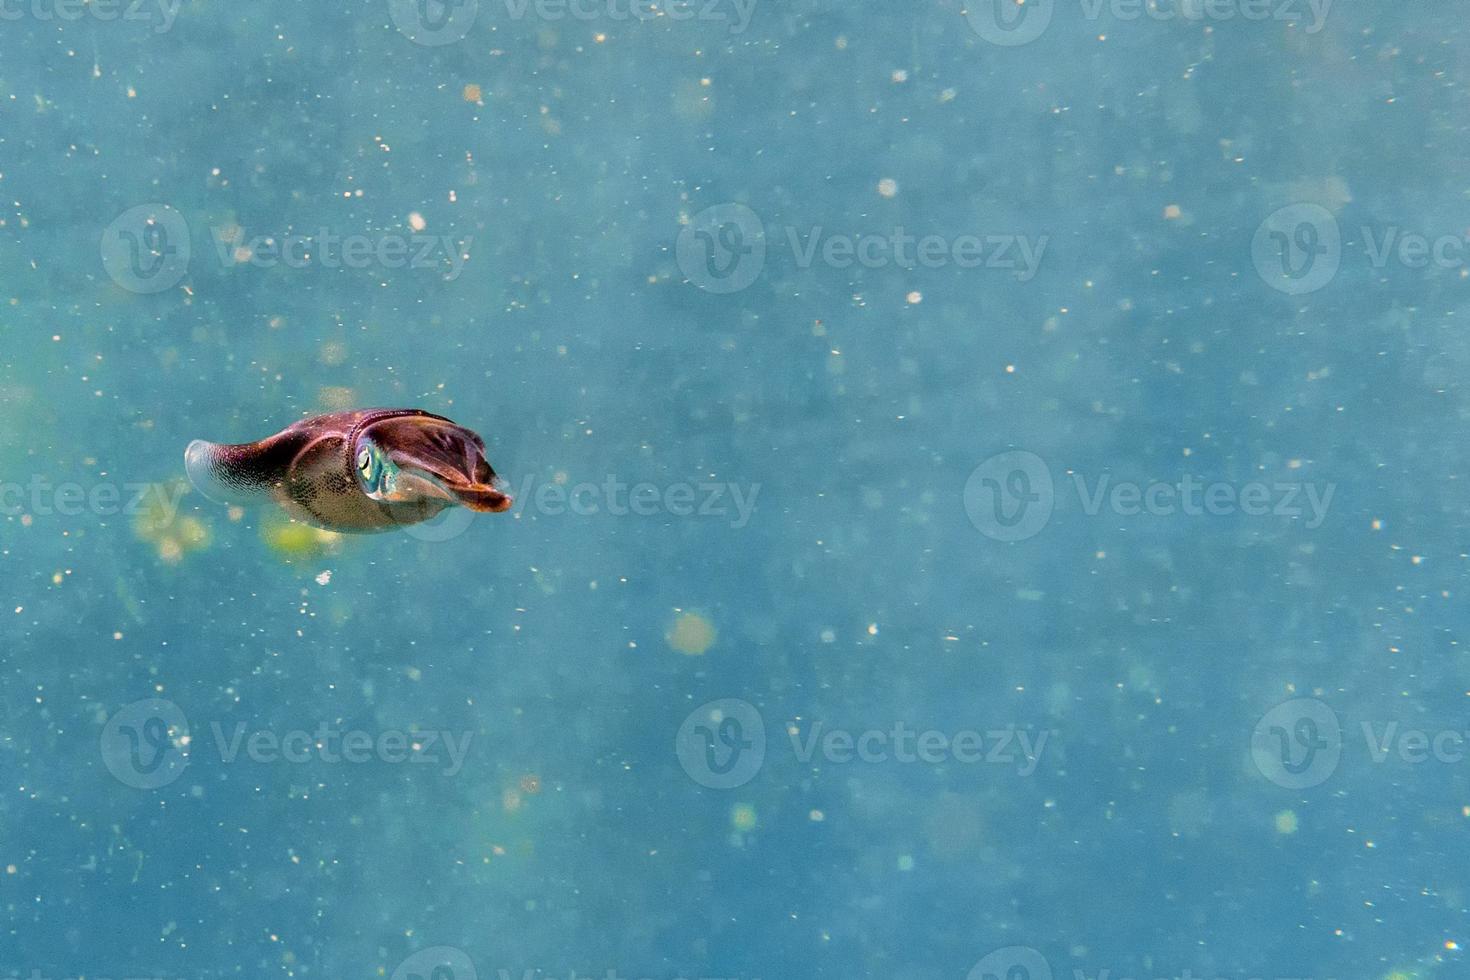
{"x":371,"y":467}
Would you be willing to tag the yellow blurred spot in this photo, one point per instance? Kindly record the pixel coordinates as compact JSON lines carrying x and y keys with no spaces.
{"x":691,"y":634}
{"x":290,"y":539}
{"x":159,"y":523}
{"x":192,"y":532}
{"x":1286,"y":822}
{"x":472,"y":94}
{"x":742,"y":816}
{"x":336,"y":398}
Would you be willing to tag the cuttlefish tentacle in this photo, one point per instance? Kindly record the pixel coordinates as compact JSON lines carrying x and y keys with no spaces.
{"x":368,"y":470}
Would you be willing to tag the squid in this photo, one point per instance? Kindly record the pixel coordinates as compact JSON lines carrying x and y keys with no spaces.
{"x":362,"y":471}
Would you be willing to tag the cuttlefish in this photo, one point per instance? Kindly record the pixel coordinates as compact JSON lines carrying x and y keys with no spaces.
{"x":375,"y":469}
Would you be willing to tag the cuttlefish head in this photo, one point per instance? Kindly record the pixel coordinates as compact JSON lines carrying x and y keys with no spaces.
{"x":410,"y":458}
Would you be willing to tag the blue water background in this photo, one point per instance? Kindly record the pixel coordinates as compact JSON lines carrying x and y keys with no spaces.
{"x":860,"y":593}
